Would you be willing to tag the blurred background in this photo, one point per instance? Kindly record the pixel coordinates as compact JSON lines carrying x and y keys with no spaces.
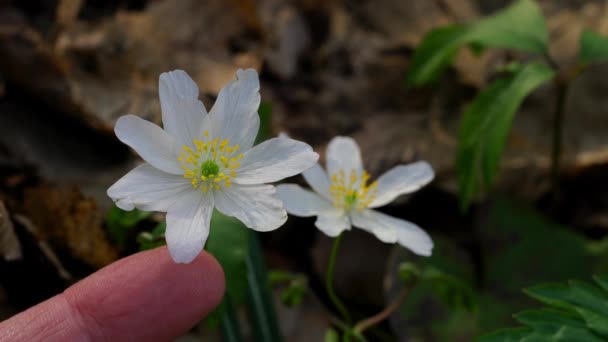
{"x":70,"y":68}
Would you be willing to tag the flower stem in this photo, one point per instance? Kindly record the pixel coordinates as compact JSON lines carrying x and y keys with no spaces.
{"x":329,"y":281}
{"x":382,"y":315}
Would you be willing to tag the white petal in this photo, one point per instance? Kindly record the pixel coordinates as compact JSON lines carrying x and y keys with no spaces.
{"x":274,"y":160}
{"x":188,"y":225}
{"x":402,"y":179}
{"x":317,"y":178}
{"x":333,"y":222}
{"x":257,"y":206}
{"x":300,"y":202}
{"x":182,"y":111}
{"x":390,"y":229}
{"x":149,"y":141}
{"x":147,"y":188}
{"x":343,"y":154}
{"x":235,"y":113}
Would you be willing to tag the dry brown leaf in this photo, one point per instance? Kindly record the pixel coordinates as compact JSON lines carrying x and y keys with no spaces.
{"x":68,"y":219}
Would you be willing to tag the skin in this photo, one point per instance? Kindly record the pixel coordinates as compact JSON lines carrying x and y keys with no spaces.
{"x":144,"y":297}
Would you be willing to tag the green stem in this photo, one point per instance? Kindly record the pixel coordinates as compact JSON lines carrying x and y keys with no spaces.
{"x":556,"y":148}
{"x":329,"y":281}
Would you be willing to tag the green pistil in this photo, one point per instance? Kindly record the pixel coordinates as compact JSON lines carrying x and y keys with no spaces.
{"x":209,"y":168}
{"x":350,"y":199}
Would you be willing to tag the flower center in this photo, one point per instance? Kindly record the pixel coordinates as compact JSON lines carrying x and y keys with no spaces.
{"x":210,"y":164}
{"x":354,"y":193}
{"x":209,"y":168}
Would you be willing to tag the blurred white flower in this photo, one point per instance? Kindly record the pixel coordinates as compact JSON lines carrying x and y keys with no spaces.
{"x":345,"y":197}
{"x":200,"y":161}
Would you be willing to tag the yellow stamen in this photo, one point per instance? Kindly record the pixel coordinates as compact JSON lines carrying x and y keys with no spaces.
{"x":209,"y":164}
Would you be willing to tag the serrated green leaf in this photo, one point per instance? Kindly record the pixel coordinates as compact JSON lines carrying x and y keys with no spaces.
{"x":549,"y":317}
{"x":593,"y":47}
{"x":506,"y":335}
{"x":555,"y":295}
{"x":578,"y":297}
{"x":520,"y":26}
{"x":581,"y":314}
{"x":589,"y":297}
{"x":602,"y":281}
{"x":485,"y":126}
{"x":596,"y":322}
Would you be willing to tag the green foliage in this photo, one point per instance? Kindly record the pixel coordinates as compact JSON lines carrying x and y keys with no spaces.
{"x":229,"y":323}
{"x":153,"y":239}
{"x":454,"y":316}
{"x":265,"y":112}
{"x":331,"y":336}
{"x":120,"y":223}
{"x":517,"y":247}
{"x":228,"y":242}
{"x":577,"y":311}
{"x":435,"y":54}
{"x":264,"y":324}
{"x":520,"y":26}
{"x":296,"y":289}
{"x":454,"y":292}
{"x":237,"y":249}
{"x":593,"y":48}
{"x":522,"y":244}
{"x":486,"y":124}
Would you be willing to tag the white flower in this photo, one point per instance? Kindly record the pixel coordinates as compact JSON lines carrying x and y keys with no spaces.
{"x":346,"y":198}
{"x":200,"y":161}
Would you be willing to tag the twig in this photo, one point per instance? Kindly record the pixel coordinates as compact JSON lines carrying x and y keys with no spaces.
{"x":384,"y":314}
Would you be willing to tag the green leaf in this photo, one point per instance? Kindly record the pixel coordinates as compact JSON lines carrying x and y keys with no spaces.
{"x":485,"y":127}
{"x":578,"y":295}
{"x":555,"y":295}
{"x":506,"y":335}
{"x":435,"y":54}
{"x":514,"y":239}
{"x":549,"y":317}
{"x":331,"y":336}
{"x":596,"y":322}
{"x":229,"y":323}
{"x":602,"y":281}
{"x":228,"y":242}
{"x":444,"y":282}
{"x":120,"y":223}
{"x":265,"y":113}
{"x":593,"y":48}
{"x":520,"y":26}
{"x":260,"y":306}
{"x":297,"y":286}
{"x":408,"y":271}
{"x":577,"y":312}
{"x":153,"y":239}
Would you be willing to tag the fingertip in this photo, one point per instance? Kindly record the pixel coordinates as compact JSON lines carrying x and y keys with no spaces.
{"x":213,"y":279}
{"x":162,"y":299}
